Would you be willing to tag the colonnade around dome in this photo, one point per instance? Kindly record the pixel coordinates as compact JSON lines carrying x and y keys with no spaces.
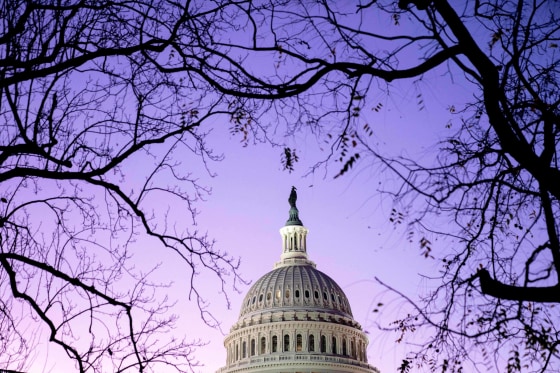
{"x":296,"y":337}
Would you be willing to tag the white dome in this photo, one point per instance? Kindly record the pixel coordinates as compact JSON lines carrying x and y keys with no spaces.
{"x":296,"y":287}
{"x":295,"y":318}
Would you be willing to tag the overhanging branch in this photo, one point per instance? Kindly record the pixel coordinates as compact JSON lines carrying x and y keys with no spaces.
{"x":497,"y":289}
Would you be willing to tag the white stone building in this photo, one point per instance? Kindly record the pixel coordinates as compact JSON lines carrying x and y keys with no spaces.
{"x":295,"y":318}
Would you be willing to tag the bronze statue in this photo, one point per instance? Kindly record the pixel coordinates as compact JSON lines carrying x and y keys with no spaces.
{"x":294,"y":213}
{"x":293,"y":197}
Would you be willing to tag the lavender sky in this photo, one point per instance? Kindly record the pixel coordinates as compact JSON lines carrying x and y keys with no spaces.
{"x":350,"y":236}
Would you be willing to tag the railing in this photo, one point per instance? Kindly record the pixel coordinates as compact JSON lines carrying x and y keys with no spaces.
{"x":301,"y":357}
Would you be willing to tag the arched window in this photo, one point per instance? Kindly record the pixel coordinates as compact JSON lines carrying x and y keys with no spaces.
{"x":253,"y":347}
{"x":236,"y":352}
{"x":344,"y":351}
{"x":334,"y":345}
{"x":352,"y":350}
{"x":274,"y":343}
{"x":263,"y":345}
{"x":244,"y":350}
{"x":311,"y":343}
{"x":323,"y":343}
{"x":286,"y":342}
{"x":299,"y":343}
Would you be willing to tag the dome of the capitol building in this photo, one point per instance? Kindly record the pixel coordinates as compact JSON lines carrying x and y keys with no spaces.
{"x":296,"y":318}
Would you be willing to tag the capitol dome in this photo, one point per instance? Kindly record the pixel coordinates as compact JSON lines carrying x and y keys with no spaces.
{"x":296,"y":318}
{"x":296,"y":286}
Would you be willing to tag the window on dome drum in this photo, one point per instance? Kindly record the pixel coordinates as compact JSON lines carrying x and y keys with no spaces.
{"x":316,"y":294}
{"x":286,"y":342}
{"x":325,"y":296}
{"x":260,"y":298}
{"x":311,"y":343}
{"x":344,"y":351}
{"x":263,"y":345}
{"x":278,"y":294}
{"x":360,"y":356}
{"x":323,"y":343}
{"x":297,"y":293}
{"x":307,"y":293}
{"x":236,"y":352}
{"x":334,"y":345}
{"x":287,"y":293}
{"x":332,"y":297}
{"x":268,"y":296}
{"x":253,"y":347}
{"x":244,"y":350}
{"x":352,"y":350}
{"x":299,"y":343}
{"x":274,"y":343}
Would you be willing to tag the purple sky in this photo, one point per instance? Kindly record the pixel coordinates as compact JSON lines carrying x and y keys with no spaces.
{"x":350,"y":238}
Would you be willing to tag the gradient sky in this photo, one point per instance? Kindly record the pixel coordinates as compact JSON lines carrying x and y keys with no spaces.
{"x":350,"y":236}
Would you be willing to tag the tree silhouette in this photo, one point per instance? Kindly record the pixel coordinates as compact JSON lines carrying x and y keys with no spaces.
{"x":94,"y":134}
{"x":92,"y":90}
{"x":494,"y":184}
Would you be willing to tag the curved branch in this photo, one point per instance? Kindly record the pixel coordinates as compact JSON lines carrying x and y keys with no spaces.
{"x":497,"y":289}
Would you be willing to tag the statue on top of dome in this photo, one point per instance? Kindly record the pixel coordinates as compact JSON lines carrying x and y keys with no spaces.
{"x":294,"y":213}
{"x":293,"y":197}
